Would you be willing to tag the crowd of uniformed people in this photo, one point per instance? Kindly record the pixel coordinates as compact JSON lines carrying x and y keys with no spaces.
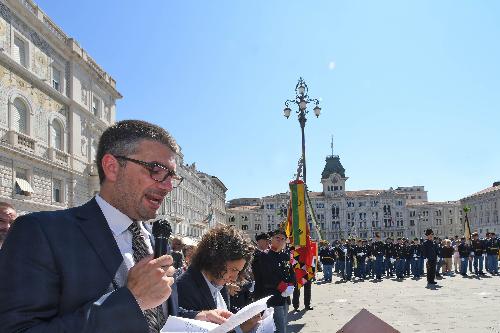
{"x":401,"y":257}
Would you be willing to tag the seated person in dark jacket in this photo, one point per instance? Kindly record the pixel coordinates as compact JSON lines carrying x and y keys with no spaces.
{"x":221,"y":257}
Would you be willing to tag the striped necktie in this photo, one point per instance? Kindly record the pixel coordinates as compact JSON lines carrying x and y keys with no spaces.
{"x":155,"y":317}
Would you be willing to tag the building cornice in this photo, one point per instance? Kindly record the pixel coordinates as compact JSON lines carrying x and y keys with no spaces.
{"x":34,"y":80}
{"x":68,"y":46}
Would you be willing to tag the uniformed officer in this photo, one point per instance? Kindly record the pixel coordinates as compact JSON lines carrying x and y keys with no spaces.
{"x":492,"y":247}
{"x":349,"y":262}
{"x":390,"y":256}
{"x":477,"y":252}
{"x":429,"y":249}
{"x":360,"y":253}
{"x":400,"y":258}
{"x":486,"y":240}
{"x":340,"y":254}
{"x":326,"y":257}
{"x":464,"y":251}
{"x":370,"y":259}
{"x":274,"y":275}
{"x":416,"y":257}
{"x":408,"y":256}
{"x":378,"y":253}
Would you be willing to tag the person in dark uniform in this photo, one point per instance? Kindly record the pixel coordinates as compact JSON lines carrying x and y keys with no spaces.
{"x":492,"y":247}
{"x":390,"y":256}
{"x":378,"y":253}
{"x":262,"y":240}
{"x":274,"y":275}
{"x":369,"y":258}
{"x":463,"y":251}
{"x":360,"y":253}
{"x":307,"y":297}
{"x":400,"y":258}
{"x":439,"y":261}
{"x":477,"y":251}
{"x":408,"y":256}
{"x":350,"y":257}
{"x":326,"y":256}
{"x":429,"y":250}
{"x":340,"y":254}
{"x":416,"y":256}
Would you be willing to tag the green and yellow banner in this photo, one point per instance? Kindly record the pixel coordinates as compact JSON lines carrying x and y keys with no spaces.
{"x":297,"y":222}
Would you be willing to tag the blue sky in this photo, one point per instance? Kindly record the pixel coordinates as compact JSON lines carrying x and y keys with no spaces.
{"x":410,"y":90}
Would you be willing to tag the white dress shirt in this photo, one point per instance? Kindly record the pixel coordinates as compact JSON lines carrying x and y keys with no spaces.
{"x":119,"y":223}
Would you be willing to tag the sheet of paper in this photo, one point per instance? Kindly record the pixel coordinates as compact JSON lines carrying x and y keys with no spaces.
{"x":178,"y":324}
{"x":266,"y":325}
{"x":243,"y":315}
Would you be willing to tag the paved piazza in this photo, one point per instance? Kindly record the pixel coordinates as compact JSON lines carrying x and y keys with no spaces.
{"x":456,"y":305}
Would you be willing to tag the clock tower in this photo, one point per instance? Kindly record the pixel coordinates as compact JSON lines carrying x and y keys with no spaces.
{"x":333,"y":177}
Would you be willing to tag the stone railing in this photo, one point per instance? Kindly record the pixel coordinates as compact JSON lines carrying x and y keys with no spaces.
{"x":33,"y":8}
{"x":55,"y":29}
{"x":22,"y":141}
{"x":55,"y":155}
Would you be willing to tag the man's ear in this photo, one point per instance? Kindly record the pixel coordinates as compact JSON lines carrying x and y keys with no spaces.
{"x":111,"y":167}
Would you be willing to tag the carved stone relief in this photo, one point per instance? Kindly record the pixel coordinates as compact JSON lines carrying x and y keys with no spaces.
{"x":3,"y":33}
{"x":84,"y":95}
{"x":41,"y":64}
{"x":83,"y":146}
{"x":41,"y":129}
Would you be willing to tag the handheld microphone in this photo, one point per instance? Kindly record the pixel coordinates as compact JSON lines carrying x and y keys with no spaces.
{"x":161,"y":233}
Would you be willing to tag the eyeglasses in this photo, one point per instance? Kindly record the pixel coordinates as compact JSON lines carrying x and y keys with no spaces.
{"x":158,"y":172}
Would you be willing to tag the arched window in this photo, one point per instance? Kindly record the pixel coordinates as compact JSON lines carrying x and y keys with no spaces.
{"x":56,"y":134}
{"x":20,"y":116}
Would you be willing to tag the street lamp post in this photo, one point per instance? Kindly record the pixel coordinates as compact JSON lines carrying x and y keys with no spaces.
{"x":301,"y":100}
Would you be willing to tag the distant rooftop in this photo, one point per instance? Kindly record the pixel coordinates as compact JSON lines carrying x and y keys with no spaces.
{"x":495,"y":187}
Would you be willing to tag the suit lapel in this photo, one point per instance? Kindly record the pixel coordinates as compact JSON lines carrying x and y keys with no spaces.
{"x":204,"y":289}
{"x":96,"y":229}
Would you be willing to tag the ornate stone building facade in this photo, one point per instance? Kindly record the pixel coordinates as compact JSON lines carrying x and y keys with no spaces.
{"x":400,"y":212}
{"x":196,"y":205}
{"x":55,"y":102}
{"x":484,"y":206}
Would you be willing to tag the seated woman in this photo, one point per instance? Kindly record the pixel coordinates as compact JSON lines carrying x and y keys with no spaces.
{"x":221,"y":257}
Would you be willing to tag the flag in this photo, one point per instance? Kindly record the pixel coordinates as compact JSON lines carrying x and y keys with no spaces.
{"x":303,"y":260}
{"x":467,"y":225}
{"x":304,"y":251}
{"x":297,"y":222}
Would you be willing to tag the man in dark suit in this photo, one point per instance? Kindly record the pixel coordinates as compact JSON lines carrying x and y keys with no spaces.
{"x":429,"y":249}
{"x":89,"y":268}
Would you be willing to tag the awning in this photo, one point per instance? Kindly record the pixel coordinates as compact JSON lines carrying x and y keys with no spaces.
{"x":24,"y":185}
{"x":189,"y":241}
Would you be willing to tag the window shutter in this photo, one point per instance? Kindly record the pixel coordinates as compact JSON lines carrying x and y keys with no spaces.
{"x":56,"y":135}
{"x":19,"y":51}
{"x":19,"y":116}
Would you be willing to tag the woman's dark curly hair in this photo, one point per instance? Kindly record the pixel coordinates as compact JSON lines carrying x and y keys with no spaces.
{"x":220,"y":245}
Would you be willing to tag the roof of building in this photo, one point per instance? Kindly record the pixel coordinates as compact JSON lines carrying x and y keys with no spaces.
{"x":240,"y":208}
{"x":333,"y":165}
{"x":486,"y":190}
{"x":354,"y":194}
{"x":432,"y":203}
